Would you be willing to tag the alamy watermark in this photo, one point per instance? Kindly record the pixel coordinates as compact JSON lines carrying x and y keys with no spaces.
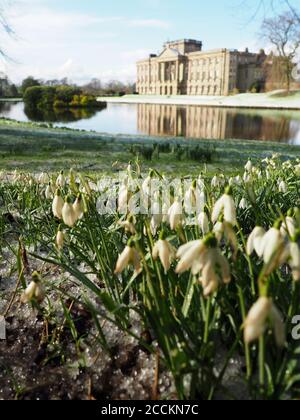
{"x":296,"y":328}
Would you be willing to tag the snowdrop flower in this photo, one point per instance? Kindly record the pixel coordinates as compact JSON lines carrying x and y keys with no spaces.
{"x":49,"y":192}
{"x":78,"y":207}
{"x":273,"y":250}
{"x":60,"y":239}
{"x":249,"y":166}
{"x":189,"y":255}
{"x":165,"y":252}
{"x":247,"y":178}
{"x":57,"y":205}
{"x":283,"y":187}
{"x":201,"y":183}
{"x":61,"y":180}
{"x":215,"y":182}
{"x":175,"y":214}
{"x":255,"y":241}
{"x":194,"y":199}
{"x":128,"y":225}
{"x":203,"y":223}
{"x":271,"y":243}
{"x":123,"y":199}
{"x":289,"y":227}
{"x":257,"y":322}
{"x":294,"y":260}
{"x":129,"y":256}
{"x":243,"y":204}
{"x":146,"y":186}
{"x":34,"y":290}
{"x":203,"y":257}
{"x":43,"y":178}
{"x":215,"y":272}
{"x":157,"y":217}
{"x":224,"y":229}
{"x":68,"y":213}
{"x":238,"y":180}
{"x":225,"y":204}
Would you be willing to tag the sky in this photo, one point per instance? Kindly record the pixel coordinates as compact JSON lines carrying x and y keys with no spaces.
{"x":85,"y":39}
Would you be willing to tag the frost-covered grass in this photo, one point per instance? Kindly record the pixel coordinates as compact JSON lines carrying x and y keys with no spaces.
{"x":33,"y":147}
{"x":270,"y":100}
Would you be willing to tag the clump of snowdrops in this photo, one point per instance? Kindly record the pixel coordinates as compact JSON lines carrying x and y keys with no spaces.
{"x":211,"y":267}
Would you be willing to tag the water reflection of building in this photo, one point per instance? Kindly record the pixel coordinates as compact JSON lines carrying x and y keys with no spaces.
{"x":211,"y":123}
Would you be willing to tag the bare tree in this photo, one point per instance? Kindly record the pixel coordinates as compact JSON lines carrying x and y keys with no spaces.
{"x":283,"y":32}
{"x":4,"y":26}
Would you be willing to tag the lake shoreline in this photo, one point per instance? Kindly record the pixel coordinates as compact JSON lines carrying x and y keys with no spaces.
{"x":33,"y":147}
{"x":246,"y":101}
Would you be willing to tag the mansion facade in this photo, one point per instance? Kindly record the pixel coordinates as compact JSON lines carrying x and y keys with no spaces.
{"x":184,"y":69}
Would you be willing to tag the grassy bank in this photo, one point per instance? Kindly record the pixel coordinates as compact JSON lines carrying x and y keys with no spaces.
{"x":33,"y":147}
{"x":271,"y":100}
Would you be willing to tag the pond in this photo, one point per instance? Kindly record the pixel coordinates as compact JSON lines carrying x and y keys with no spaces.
{"x":172,"y":120}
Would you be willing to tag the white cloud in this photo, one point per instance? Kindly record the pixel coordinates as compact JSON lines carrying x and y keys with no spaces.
{"x":149,"y":23}
{"x":80,"y":46}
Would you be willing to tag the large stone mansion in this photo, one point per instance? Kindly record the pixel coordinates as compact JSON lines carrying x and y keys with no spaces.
{"x":184,"y":69}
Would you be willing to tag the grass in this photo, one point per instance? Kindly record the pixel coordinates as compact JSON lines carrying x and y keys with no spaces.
{"x":32,"y":147}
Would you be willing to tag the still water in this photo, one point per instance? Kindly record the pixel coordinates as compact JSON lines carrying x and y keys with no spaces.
{"x":172,"y":120}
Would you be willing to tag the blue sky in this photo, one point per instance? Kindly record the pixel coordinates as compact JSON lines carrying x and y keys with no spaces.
{"x":81,"y":39}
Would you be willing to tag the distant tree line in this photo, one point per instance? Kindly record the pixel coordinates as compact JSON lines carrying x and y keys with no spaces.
{"x":93,"y":88}
{"x":8,"y":89}
{"x":58,"y":97}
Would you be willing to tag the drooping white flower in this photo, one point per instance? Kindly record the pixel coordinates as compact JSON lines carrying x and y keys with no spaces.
{"x":272,"y":245}
{"x":216,"y":182}
{"x":34,"y":290}
{"x":146,"y":185}
{"x":255,"y":241}
{"x":123,"y":199}
{"x":249,"y":166}
{"x":57,"y":205}
{"x":60,"y":239}
{"x":225,"y":205}
{"x":175,"y":214}
{"x":294,"y":260}
{"x":257,"y":321}
{"x":49,"y":192}
{"x":157,"y":217}
{"x":194,"y":200}
{"x":61,"y":180}
{"x":189,"y":255}
{"x":289,"y":227}
{"x":43,"y":178}
{"x":68,"y":213}
{"x":243,"y":204}
{"x":203,"y":223}
{"x":165,"y":252}
{"x":129,"y":256}
{"x":225,"y":230}
{"x":78,"y":207}
{"x":204,"y":258}
{"x":283,"y":188}
{"x":215,"y":271}
{"x":129,"y":225}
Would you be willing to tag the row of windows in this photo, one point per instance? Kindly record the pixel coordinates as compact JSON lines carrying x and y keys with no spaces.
{"x":204,"y":90}
{"x":198,"y":90}
{"x":206,"y":62}
{"x":214,"y":74}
